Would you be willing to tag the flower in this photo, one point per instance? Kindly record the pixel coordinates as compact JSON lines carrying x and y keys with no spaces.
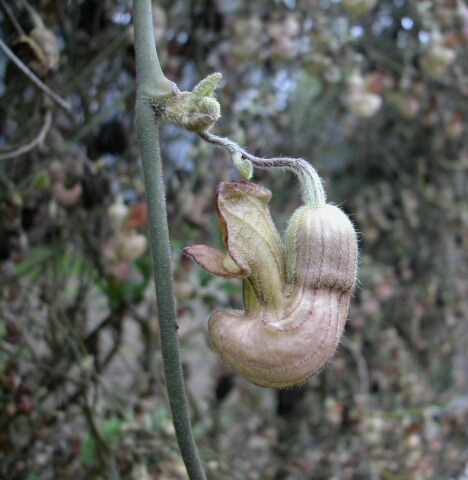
{"x":296,"y":295}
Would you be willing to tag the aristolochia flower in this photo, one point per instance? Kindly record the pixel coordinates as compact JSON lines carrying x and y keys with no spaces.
{"x":296,"y":295}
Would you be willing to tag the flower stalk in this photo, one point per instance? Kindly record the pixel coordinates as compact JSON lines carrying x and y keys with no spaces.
{"x":312,"y":191}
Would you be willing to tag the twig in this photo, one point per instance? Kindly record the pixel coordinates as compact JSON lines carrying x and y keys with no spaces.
{"x":33,"y":143}
{"x":31,"y":11}
{"x":451,"y":164}
{"x":363,"y":371}
{"x":11,"y":17}
{"x":109,"y":459}
{"x":39,"y":83}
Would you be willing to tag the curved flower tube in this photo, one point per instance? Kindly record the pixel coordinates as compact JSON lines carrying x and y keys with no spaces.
{"x":296,"y":296}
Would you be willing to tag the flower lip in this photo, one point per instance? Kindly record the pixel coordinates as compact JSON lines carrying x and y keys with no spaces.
{"x":237,"y":187}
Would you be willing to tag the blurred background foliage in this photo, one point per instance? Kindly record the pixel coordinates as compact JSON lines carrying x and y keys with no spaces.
{"x":374,"y":94}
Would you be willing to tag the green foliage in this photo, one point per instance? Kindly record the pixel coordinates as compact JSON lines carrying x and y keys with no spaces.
{"x":111,"y":434}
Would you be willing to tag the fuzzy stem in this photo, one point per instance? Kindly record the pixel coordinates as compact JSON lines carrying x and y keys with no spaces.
{"x":312,"y":191}
{"x":152,"y":84}
{"x":151,"y":81}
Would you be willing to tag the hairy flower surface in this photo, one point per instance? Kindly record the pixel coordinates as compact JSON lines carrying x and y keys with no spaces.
{"x":296,"y":295}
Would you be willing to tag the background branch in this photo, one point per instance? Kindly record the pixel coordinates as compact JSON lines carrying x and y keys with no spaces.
{"x":33,"y":77}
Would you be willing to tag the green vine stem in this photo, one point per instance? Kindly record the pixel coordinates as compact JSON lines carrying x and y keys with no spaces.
{"x":153,"y":86}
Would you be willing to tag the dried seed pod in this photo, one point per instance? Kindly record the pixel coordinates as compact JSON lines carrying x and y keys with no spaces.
{"x":364,"y":104}
{"x":47,"y":41}
{"x":40,"y":49}
{"x":117,"y":213}
{"x":296,"y":301}
{"x":67,"y":197}
{"x":130,"y":245}
{"x":436,"y":61}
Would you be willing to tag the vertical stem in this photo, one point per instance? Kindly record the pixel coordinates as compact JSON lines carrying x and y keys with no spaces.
{"x":151,"y":80}
{"x":152,"y":83}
